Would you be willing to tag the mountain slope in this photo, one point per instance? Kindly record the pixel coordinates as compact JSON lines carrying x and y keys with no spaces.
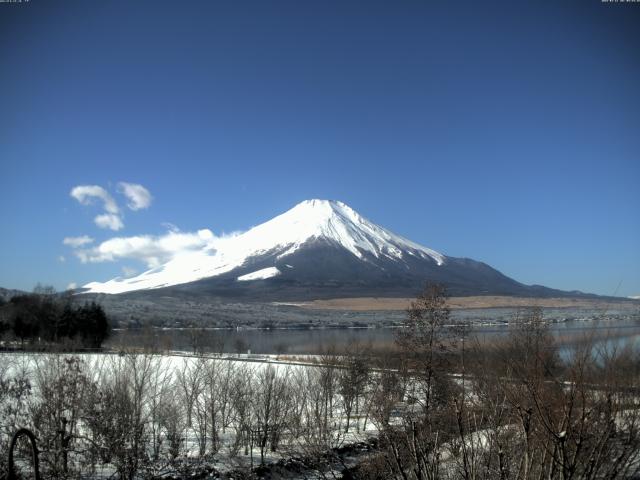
{"x":318,"y":249}
{"x":6,"y":294}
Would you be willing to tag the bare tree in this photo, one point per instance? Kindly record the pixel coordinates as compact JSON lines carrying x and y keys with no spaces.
{"x":218,"y":377}
{"x":353,"y":378}
{"x":117,"y":414}
{"x":242,"y":397}
{"x":189,"y":378}
{"x":15,"y":395}
{"x":412,"y":449}
{"x":318,"y":432}
{"x":172,"y":422}
{"x":159,"y":394}
{"x":61,"y":384}
{"x":272,"y":398}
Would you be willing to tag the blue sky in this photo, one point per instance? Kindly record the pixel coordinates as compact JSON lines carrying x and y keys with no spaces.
{"x":508,"y":132}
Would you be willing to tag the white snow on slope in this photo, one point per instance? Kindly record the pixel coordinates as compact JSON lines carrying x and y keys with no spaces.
{"x":260,"y":274}
{"x":331,"y":221}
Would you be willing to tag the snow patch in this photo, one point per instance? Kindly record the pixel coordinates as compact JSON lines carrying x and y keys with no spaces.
{"x":260,"y":274}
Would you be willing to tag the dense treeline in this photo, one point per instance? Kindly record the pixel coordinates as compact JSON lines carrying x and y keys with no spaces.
{"x":44,"y":317}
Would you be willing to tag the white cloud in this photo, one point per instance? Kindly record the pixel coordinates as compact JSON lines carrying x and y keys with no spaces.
{"x":109,"y":220}
{"x":86,"y":193}
{"x":62,"y":259}
{"x":76,"y":242}
{"x":138,"y":196}
{"x":72,"y":286}
{"x":152,"y":250}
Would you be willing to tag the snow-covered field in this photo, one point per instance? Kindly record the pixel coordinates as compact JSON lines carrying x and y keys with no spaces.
{"x":169,"y":411}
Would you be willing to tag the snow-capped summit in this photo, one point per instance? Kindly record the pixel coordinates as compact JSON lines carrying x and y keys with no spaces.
{"x":328,"y":221}
{"x":333,"y":221}
{"x":317,"y":249}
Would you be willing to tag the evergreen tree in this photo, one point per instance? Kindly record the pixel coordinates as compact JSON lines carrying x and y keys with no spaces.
{"x":53,"y":318}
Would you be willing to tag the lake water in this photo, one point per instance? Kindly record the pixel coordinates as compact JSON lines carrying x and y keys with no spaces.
{"x":613,"y":331}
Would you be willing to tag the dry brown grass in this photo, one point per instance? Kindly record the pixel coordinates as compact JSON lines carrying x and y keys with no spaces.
{"x":380,"y":303}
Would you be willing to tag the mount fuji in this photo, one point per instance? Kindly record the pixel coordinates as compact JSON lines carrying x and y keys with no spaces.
{"x":318,"y":249}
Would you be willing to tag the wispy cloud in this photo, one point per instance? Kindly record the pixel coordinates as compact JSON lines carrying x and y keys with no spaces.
{"x":138,"y":196}
{"x":110,"y":221}
{"x":72,"y":286}
{"x":76,"y":242}
{"x":149,"y":249}
{"x":85,"y":194}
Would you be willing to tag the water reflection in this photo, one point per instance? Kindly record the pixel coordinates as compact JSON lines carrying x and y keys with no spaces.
{"x":279,"y":341}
